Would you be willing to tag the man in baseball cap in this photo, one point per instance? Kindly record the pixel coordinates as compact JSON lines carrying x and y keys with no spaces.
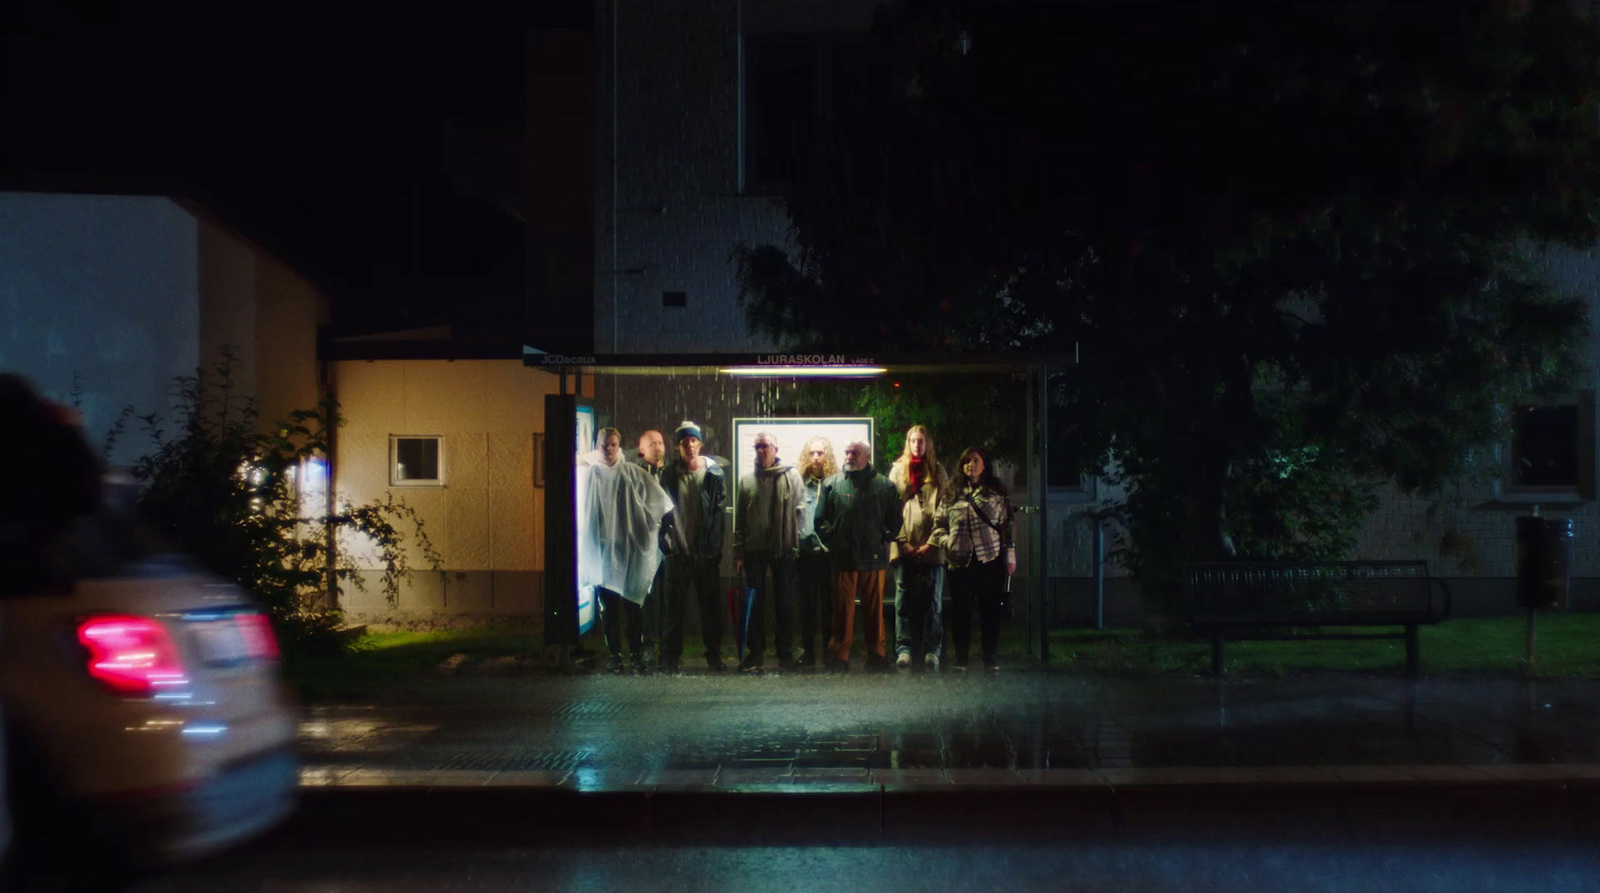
{"x":691,"y":537}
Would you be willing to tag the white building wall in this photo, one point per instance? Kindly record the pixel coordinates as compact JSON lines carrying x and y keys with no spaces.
{"x":668,"y":210}
{"x":99,"y":294}
{"x":1468,"y":533}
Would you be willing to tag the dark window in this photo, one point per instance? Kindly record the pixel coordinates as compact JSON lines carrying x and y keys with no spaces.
{"x":674,"y":299}
{"x":415,"y":460}
{"x":1544,"y":447}
{"x":795,"y":86}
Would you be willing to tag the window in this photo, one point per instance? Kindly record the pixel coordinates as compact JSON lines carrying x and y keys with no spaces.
{"x":1552,"y":450}
{"x":416,"y":461}
{"x":795,"y":86}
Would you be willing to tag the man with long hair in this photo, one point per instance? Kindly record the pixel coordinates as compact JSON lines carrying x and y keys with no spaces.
{"x":917,"y":559}
{"x":813,"y":575}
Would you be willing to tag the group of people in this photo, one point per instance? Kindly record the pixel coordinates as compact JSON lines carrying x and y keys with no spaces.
{"x":813,"y":539}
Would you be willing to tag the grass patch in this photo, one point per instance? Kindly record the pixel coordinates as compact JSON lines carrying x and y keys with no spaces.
{"x":390,"y":664}
{"x":379,"y":663}
{"x":1568,"y":645}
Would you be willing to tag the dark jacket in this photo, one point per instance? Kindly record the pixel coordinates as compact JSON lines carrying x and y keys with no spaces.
{"x":713,"y":499}
{"x":857,"y":516}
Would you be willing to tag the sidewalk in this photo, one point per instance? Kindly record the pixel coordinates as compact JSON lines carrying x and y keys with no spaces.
{"x":1348,"y":752}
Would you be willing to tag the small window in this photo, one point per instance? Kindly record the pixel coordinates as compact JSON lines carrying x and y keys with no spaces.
{"x":796,"y":86}
{"x":1552,"y":450}
{"x":1544,"y":447}
{"x":416,"y":461}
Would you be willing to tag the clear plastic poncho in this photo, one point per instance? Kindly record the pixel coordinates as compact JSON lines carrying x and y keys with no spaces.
{"x":620,"y":508}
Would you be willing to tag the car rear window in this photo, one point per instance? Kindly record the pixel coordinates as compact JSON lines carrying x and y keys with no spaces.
{"x":114,"y":543}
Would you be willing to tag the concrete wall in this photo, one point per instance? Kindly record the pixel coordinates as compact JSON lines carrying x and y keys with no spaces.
{"x":667,"y":204}
{"x":267,"y":313}
{"x":99,"y":303}
{"x":486,"y":517}
{"x":104,"y":300}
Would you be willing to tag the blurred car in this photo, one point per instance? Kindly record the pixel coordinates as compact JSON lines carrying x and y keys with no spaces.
{"x":145,"y":720}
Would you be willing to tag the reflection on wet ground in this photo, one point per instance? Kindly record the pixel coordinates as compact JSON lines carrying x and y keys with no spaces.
{"x":600,"y":730}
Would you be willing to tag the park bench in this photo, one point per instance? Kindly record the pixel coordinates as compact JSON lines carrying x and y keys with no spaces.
{"x":1297,"y":600}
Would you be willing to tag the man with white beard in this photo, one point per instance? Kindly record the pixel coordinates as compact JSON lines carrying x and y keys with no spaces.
{"x":619,"y":522}
{"x":857,"y":517}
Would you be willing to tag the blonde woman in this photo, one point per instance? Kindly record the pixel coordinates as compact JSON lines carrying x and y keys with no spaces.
{"x":917,"y":559}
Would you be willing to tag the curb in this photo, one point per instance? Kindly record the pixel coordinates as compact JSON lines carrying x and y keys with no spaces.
{"x":1376,"y":811}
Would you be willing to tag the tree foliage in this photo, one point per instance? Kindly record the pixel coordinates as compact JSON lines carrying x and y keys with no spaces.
{"x":987,"y":411}
{"x":229,"y":494}
{"x":1295,"y":242}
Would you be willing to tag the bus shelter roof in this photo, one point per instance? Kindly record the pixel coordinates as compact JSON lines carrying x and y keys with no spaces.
{"x":814,"y":364}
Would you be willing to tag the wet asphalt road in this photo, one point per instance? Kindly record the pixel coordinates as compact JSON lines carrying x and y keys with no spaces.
{"x":603,"y":742}
{"x":955,"y":868}
{"x":600,"y":730}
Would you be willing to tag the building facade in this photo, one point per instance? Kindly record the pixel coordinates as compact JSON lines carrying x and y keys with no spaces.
{"x":107,"y":299}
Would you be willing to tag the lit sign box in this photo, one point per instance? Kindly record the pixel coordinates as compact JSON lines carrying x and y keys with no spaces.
{"x":792,"y":434}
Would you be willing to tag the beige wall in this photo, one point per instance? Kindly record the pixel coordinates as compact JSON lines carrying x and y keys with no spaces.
{"x":267,"y":312}
{"x":486,"y":517}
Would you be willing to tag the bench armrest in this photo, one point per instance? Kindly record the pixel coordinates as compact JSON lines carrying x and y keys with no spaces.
{"x":1449,"y":597}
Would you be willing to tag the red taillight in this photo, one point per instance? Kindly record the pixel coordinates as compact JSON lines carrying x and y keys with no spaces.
{"x":132,"y":656}
{"x":258,"y":638}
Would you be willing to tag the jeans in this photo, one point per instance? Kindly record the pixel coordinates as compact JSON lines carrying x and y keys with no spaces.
{"x":697,"y":574}
{"x":757,"y":567}
{"x":918,"y":601}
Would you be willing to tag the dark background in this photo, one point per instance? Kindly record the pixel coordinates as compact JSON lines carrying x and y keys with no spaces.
{"x":382,"y":155}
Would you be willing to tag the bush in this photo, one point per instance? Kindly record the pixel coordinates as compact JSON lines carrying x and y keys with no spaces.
{"x":245,"y":503}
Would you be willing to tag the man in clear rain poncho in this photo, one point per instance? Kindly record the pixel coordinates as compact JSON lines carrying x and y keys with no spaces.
{"x":620,"y":506}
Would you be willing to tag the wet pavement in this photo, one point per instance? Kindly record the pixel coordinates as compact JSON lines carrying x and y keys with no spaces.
{"x":1017,"y":728}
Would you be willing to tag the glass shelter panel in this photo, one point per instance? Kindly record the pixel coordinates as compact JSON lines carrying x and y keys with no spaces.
{"x":984,"y":405}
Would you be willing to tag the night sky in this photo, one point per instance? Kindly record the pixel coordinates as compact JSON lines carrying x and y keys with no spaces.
{"x":338,"y":141}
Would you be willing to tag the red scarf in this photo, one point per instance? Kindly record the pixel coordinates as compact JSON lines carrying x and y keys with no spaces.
{"x":918,"y":474}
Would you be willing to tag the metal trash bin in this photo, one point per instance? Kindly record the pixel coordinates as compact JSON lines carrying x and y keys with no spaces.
{"x":1544,"y":562}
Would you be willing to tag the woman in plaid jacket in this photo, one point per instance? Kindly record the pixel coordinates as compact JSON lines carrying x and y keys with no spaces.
{"x":980,"y":554}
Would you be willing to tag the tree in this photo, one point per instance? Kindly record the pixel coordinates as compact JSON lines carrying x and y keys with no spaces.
{"x":225,"y":491}
{"x":1292,"y":240}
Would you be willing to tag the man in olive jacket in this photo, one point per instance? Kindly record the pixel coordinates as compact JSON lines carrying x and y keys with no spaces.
{"x":691,"y":537}
{"x":767,"y":528}
{"x":858,"y":515}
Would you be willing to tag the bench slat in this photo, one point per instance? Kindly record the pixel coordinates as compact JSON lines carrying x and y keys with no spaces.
{"x":1240,"y":595}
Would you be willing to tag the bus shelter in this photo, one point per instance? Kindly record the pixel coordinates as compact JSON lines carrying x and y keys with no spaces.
{"x":999,"y":401}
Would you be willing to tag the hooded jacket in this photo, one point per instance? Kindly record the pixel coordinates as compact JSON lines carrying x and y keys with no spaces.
{"x":713,"y":499}
{"x":857,"y":514}
{"x":771,"y":515}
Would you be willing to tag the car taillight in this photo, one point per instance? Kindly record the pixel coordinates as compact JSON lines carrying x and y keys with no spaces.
{"x":132,"y":656}
{"x":257,"y":632}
